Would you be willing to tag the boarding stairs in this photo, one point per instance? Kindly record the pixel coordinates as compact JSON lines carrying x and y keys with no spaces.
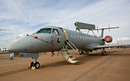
{"x":68,"y":56}
{"x":71,"y":45}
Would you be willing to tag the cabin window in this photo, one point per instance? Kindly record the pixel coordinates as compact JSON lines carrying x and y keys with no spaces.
{"x":55,"y":31}
{"x":45,"y":30}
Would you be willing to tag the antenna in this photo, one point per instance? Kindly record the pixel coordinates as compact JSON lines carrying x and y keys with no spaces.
{"x":80,"y":25}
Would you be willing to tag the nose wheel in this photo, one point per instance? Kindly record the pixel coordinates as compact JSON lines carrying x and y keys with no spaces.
{"x":35,"y":64}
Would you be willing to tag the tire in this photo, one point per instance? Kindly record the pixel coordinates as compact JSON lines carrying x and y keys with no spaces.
{"x":37,"y":65}
{"x":32,"y":64}
{"x":82,"y":53}
{"x":104,"y":53}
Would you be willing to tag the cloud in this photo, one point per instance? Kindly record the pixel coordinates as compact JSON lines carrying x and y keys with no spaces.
{"x":122,"y":40}
{"x":125,"y":38}
{"x":18,"y":37}
{"x":27,"y":16}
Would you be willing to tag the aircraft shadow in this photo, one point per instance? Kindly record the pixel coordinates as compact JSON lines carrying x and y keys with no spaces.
{"x":82,"y":60}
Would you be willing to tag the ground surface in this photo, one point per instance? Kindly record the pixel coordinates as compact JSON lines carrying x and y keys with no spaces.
{"x":94,"y":67}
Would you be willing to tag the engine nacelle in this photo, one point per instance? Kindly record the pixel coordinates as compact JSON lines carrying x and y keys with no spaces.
{"x":108,"y":39}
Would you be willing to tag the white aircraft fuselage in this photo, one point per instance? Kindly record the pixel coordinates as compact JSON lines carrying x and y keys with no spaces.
{"x":51,"y":38}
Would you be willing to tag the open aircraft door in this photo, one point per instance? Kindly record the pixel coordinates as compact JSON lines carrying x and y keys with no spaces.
{"x":57,"y":38}
{"x":65,"y":34}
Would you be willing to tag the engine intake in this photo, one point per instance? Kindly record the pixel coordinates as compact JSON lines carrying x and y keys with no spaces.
{"x":108,"y":39}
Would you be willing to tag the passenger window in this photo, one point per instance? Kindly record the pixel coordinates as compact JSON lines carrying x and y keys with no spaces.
{"x":45,"y":30}
{"x":55,"y":31}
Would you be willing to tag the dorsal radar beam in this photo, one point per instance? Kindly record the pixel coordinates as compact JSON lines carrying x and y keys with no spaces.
{"x":80,"y":25}
{"x":89,"y":27}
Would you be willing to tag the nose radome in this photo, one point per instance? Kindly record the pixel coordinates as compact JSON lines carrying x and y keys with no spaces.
{"x":31,"y":44}
{"x":26,"y":44}
{"x":17,"y":46}
{"x":12,"y":47}
{"x":9,"y":49}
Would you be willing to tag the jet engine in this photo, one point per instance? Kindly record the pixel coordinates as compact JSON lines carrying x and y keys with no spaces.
{"x":108,"y":39}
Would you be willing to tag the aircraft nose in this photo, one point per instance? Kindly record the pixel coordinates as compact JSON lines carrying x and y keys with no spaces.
{"x":10,"y":48}
{"x":19,"y":46}
{"x":23,"y":45}
{"x":13,"y":47}
{"x":30,"y":44}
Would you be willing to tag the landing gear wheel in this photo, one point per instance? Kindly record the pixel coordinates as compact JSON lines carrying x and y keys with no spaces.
{"x":81,"y":52}
{"x":104,"y":53}
{"x":37,"y":65}
{"x":32,"y":64}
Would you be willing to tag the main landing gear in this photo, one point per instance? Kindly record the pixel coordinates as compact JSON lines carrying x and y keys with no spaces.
{"x":104,"y":52}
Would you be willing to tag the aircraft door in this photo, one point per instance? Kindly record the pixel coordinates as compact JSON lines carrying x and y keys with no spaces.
{"x":56,"y":36}
{"x":57,"y":39}
{"x":65,"y":34}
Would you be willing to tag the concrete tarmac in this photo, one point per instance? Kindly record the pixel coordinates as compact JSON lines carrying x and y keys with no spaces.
{"x":94,"y":67}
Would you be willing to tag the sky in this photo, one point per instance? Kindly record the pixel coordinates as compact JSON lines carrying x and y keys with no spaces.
{"x":21,"y":17}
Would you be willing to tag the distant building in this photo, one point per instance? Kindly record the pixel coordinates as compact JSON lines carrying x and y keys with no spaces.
{"x":3,"y":49}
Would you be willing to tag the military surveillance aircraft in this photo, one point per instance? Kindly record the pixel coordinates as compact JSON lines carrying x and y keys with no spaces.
{"x":52,"y":38}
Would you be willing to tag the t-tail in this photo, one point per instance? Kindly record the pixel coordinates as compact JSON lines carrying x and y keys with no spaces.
{"x":102,"y":33}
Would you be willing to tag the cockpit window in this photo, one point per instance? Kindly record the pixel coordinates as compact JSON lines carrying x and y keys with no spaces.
{"x":55,"y":31}
{"x":45,"y":30}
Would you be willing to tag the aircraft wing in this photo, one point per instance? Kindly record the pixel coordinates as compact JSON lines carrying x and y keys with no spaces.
{"x":112,"y":46}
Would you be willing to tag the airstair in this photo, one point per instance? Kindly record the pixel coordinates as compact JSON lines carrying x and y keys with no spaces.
{"x":68,"y":56}
{"x":71,"y":45}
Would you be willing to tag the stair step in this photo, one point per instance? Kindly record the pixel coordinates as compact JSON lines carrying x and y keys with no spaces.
{"x":69,"y":57}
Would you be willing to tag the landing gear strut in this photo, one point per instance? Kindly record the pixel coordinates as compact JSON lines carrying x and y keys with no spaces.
{"x":104,"y":52}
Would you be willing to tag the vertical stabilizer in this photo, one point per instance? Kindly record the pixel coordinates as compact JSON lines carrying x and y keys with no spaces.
{"x":102,"y":33}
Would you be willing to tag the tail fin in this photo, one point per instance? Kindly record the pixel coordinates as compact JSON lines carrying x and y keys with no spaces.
{"x":102,"y":33}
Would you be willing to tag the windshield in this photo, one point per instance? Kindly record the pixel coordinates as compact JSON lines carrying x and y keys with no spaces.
{"x":45,"y":30}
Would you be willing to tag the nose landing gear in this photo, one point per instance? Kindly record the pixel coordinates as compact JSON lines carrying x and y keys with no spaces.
{"x":35,"y":64}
